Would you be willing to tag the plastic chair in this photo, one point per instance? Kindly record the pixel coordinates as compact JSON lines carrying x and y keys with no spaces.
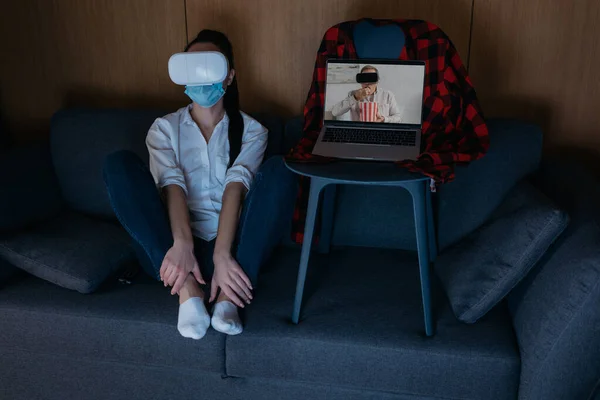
{"x":370,"y":42}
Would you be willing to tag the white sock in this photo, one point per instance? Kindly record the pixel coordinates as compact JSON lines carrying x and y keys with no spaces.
{"x":193,"y":320}
{"x":225,"y":318}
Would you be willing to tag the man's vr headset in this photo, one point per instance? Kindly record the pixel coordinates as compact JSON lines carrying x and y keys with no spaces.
{"x":367,"y":77}
{"x":198,"y":68}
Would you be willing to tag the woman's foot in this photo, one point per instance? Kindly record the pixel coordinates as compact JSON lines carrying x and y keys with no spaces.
{"x":225,"y":317}
{"x":193,"y":320}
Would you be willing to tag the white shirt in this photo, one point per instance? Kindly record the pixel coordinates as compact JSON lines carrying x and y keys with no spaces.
{"x":386,"y":104}
{"x":179,"y":155}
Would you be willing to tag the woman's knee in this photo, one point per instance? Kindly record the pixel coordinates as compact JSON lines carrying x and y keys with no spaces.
{"x":274,"y":171}
{"x":271,"y":165}
{"x":121,"y":164}
{"x":120,"y":160}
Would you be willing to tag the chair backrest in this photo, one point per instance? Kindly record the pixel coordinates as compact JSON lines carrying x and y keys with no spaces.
{"x":385,"y":42}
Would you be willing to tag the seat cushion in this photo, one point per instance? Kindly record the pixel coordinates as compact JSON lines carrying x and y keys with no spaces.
{"x":126,"y":324}
{"x":71,"y":250}
{"x":30,"y":191}
{"x":80,"y":141}
{"x":362,"y":327}
{"x":483,"y":268}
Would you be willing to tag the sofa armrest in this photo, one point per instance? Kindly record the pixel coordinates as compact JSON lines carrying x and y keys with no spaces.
{"x":30,"y":190}
{"x":555,"y":309}
{"x":479,"y":188}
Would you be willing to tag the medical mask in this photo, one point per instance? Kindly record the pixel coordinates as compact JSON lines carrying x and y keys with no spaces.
{"x":205,"y":95}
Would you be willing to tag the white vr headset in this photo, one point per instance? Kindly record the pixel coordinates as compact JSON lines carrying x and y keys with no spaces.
{"x":198,"y":68}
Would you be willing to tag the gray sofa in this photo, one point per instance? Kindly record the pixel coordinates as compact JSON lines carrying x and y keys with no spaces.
{"x":361,"y":331}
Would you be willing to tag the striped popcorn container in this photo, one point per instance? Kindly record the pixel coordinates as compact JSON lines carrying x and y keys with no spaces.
{"x":368,"y":111}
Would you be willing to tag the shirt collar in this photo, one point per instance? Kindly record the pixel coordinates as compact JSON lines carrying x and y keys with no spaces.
{"x":187,"y":115}
{"x":188,"y":120}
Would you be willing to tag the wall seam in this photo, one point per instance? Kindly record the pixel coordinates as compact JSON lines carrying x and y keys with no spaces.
{"x":185,"y":16}
{"x":470,"y":35}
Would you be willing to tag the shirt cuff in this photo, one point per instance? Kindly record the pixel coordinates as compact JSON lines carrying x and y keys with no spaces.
{"x":240,"y":174}
{"x":173,"y":181}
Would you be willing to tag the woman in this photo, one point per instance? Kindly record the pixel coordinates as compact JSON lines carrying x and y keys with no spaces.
{"x":203,"y":158}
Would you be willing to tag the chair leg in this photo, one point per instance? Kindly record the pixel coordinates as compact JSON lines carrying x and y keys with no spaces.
{"x":418,"y":192}
{"x":316,"y":185}
{"x":431,"y":233}
{"x":327,"y":217}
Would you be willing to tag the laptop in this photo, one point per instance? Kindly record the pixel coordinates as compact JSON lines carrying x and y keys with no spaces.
{"x":372,"y":110}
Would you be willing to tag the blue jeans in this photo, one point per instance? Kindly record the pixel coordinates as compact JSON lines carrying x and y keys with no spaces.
{"x":266,"y":212}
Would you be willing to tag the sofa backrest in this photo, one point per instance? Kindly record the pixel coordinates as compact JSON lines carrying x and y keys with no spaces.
{"x":383,"y":216}
{"x":82,"y":138}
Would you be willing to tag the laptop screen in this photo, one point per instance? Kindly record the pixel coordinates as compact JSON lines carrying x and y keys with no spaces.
{"x":374,"y":92}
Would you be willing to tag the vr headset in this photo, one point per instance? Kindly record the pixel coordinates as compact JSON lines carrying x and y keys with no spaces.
{"x":367,"y":77}
{"x":198,"y":68}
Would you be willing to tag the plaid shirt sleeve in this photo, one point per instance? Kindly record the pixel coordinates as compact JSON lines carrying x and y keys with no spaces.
{"x":454,"y":130}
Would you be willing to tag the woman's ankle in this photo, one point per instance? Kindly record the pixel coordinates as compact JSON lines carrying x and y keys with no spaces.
{"x":191,"y":288}
{"x":223,"y":297}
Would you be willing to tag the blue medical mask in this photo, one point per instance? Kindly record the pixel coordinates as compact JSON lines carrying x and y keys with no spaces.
{"x":206,"y":95}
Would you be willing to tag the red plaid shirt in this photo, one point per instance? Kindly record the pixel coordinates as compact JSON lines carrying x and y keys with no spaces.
{"x":454,"y":131}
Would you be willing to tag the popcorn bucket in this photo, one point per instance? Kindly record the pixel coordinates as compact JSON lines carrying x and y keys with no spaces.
{"x":368,"y":111}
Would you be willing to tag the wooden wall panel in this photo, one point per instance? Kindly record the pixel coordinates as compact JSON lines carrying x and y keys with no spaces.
{"x":537,"y":59}
{"x":86,"y":53}
{"x":275,"y":41}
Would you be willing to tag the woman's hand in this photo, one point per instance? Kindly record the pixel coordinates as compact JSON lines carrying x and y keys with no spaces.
{"x":178,"y":263}
{"x":379,"y":117}
{"x":231,"y":279}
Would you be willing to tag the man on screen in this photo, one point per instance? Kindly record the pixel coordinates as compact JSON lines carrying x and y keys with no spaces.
{"x":385,"y":101}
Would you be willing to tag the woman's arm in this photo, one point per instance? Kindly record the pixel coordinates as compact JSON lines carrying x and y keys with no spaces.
{"x":179,"y":261}
{"x":231,"y":278}
{"x":228,"y":275}
{"x":179,"y":215}
{"x":229,"y":218}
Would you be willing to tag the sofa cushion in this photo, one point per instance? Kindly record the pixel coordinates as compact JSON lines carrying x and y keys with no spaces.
{"x":27,"y":376}
{"x":30,"y":191}
{"x":72,"y":251}
{"x":82,"y":138}
{"x":7,"y":271}
{"x":133,"y":325}
{"x":466,"y":203}
{"x":362,"y":328}
{"x":556,"y":309}
{"x":484,"y":267}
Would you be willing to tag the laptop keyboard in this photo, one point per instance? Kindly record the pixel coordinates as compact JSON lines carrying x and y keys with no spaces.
{"x":370,"y":136}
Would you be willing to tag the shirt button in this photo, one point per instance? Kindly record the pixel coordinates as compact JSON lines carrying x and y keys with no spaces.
{"x":205,"y":186}
{"x":204,"y":166}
